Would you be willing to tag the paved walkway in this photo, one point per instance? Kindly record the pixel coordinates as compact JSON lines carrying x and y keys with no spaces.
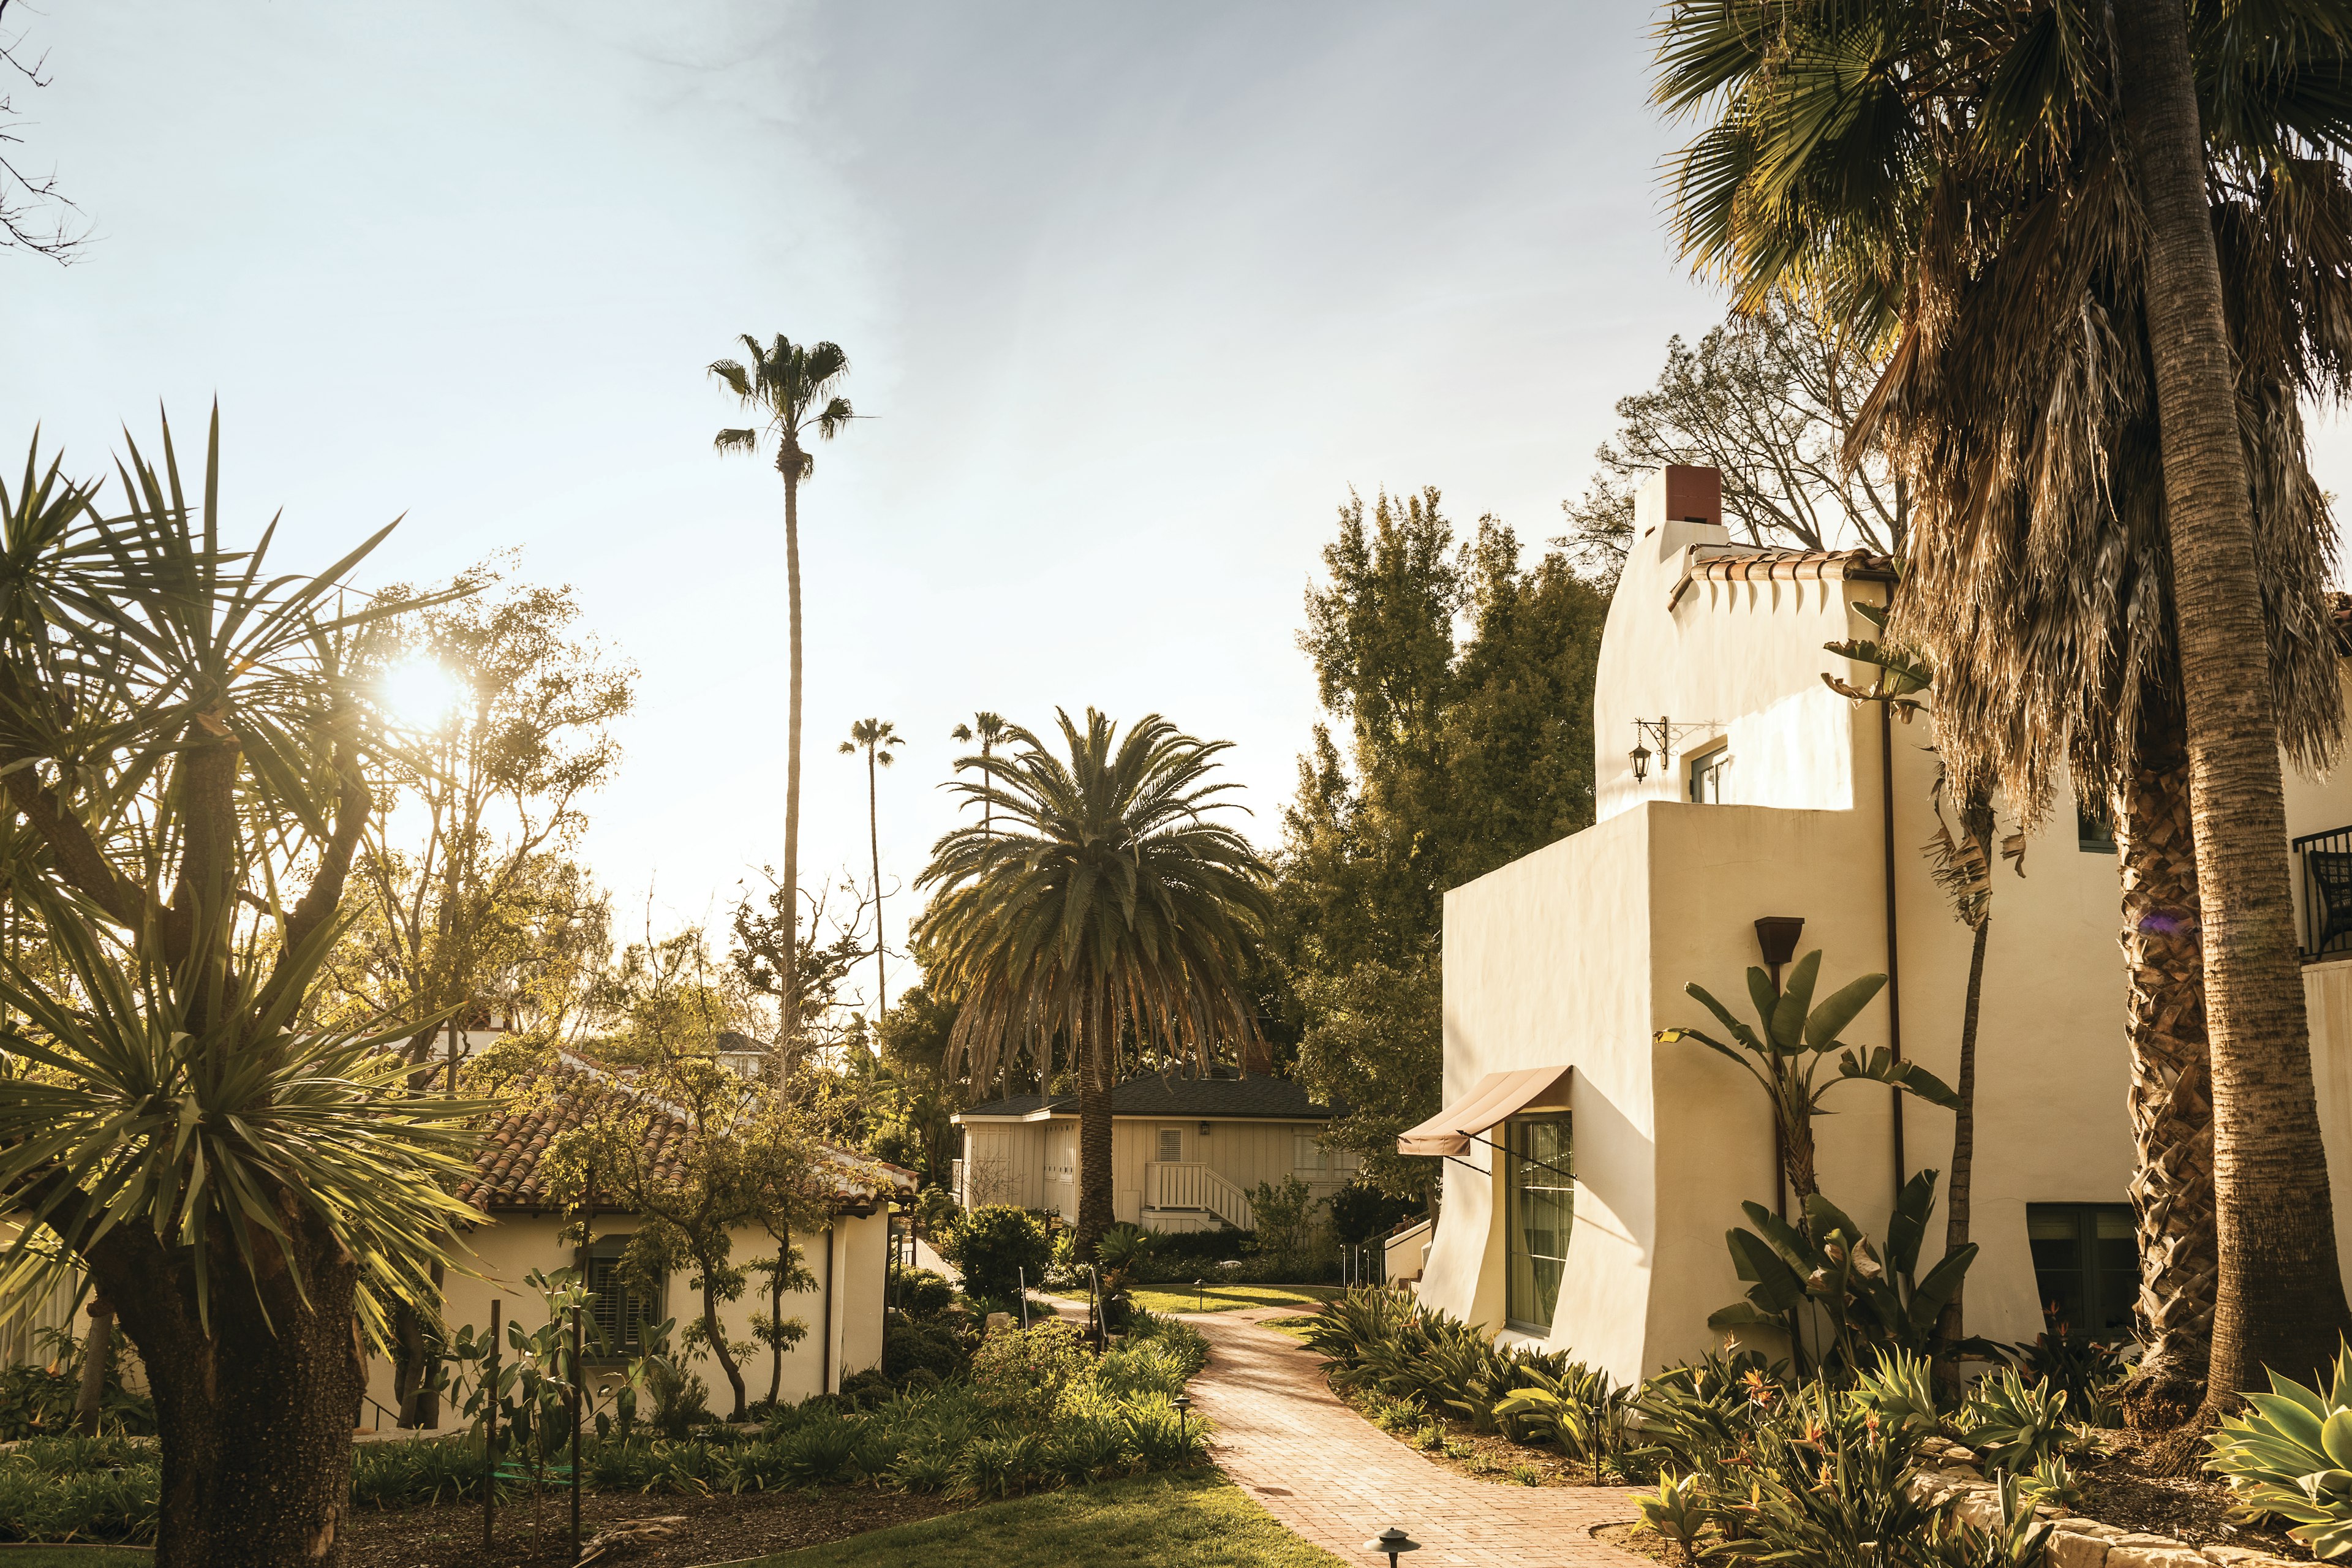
{"x":1334,"y":1477}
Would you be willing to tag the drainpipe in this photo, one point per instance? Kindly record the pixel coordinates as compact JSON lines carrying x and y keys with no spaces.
{"x":1894,"y":969}
{"x":825,"y":1366}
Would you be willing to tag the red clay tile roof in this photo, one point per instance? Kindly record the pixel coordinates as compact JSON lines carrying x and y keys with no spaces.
{"x":505,"y":1173}
{"x":1785,"y":566}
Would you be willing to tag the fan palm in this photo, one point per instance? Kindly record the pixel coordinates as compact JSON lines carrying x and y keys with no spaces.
{"x":792,"y":390}
{"x":988,"y":728}
{"x":876,"y":738}
{"x":1111,"y":912}
{"x":179,"y":737}
{"x":1968,"y":189}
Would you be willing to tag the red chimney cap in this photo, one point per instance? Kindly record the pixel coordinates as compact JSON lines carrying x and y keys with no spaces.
{"x":1694,"y":494}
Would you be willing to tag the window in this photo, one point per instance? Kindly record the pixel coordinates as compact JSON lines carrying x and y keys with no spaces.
{"x":1308,"y":1152}
{"x":2086,"y":1266}
{"x":1172,"y":1145}
{"x":620,"y":1312}
{"x":1540,"y":1198}
{"x":2094,"y":829}
{"x":1711,"y":777}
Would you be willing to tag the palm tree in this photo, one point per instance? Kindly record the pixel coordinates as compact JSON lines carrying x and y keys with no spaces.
{"x":1968,"y":198}
{"x":792,"y":389}
{"x":877,"y":737}
{"x":988,"y":728}
{"x":1112,"y":913}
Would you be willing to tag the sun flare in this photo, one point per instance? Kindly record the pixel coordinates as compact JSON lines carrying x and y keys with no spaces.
{"x":420,"y":693}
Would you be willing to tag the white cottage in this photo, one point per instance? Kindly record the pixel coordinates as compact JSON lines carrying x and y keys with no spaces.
{"x":1185,"y":1150}
{"x":1763,"y":793}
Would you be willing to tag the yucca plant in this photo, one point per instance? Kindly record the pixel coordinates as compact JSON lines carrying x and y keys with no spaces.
{"x":185,"y":760}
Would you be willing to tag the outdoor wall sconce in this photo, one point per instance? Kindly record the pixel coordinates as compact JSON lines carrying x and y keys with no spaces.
{"x":1777,"y":935}
{"x":1666,"y":733}
{"x":1205,"y":1130}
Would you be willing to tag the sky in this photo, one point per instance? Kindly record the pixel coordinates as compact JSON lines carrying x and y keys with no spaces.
{"x":1133,"y":297}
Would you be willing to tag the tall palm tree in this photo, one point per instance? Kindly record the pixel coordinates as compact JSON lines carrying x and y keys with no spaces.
{"x":878,"y":738}
{"x":791,"y":390}
{"x":988,"y":728}
{"x":1964,"y":190}
{"x":1113,"y":911}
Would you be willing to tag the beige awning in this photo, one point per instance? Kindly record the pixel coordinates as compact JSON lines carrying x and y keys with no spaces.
{"x":1494,"y":1098}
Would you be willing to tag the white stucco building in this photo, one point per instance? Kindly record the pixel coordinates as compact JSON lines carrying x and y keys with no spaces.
{"x":1776,"y":796}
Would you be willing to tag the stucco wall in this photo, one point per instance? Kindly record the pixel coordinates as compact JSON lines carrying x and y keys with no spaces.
{"x":506,"y":1250}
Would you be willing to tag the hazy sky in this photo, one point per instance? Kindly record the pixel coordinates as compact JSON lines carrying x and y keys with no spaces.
{"x":1132,"y":293}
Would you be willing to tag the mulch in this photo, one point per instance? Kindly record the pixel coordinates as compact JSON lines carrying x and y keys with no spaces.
{"x":2123,"y":1485}
{"x":718,"y":1529}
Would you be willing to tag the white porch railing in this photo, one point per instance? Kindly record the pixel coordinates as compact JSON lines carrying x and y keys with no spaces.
{"x":1168,"y":1184}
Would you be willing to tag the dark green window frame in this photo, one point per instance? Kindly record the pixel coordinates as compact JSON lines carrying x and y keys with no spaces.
{"x":1539,"y":1211}
{"x":2085,"y":1267}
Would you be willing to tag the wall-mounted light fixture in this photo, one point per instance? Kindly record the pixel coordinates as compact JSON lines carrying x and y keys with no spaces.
{"x":1205,"y":1130}
{"x":1777,"y":936}
{"x":1666,"y":733}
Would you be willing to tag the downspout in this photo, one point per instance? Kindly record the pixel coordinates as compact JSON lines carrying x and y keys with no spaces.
{"x":1894,"y":969}
{"x":825,"y":1366}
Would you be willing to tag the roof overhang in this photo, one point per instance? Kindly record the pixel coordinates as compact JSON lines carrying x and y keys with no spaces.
{"x":1496,"y":1098}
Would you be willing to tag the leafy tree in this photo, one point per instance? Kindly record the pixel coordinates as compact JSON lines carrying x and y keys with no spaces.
{"x":792,"y":390}
{"x":821,"y":967}
{"x":1112,"y":911}
{"x":1463,"y":753}
{"x":1765,"y":399}
{"x":876,"y":738}
{"x":2108,"y":296}
{"x":183,"y":748}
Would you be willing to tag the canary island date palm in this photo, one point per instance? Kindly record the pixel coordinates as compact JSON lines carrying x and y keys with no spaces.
{"x":2064,"y":267}
{"x":186,"y":770}
{"x":876,"y":738}
{"x":792,"y":391}
{"x":1112,"y":913}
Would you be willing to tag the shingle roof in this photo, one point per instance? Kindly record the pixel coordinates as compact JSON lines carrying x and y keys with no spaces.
{"x":1179,"y":1097}
{"x":1764,"y":564}
{"x":507,"y":1174}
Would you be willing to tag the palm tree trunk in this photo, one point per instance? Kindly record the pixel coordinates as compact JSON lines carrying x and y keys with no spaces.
{"x":789,"y":1013}
{"x":873,"y":841}
{"x":2280,"y":1303}
{"x":1096,"y":1214}
{"x":2171,"y":1081}
{"x":1951,"y":1324}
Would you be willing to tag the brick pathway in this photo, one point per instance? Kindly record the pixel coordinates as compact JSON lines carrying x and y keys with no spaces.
{"x":1334,"y":1477}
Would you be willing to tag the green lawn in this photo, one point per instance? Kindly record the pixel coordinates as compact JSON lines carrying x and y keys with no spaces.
{"x":1295,"y":1327}
{"x":1227,"y":1298}
{"x":1199,"y":1520}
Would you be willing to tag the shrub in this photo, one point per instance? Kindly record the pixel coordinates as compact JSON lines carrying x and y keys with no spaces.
{"x":1178,"y":1338}
{"x":995,"y":1246}
{"x":1360,"y":1213}
{"x":2284,"y":1459}
{"x":2017,"y":1425}
{"x":999,"y":1466}
{"x":923,"y":1294}
{"x":1023,"y":1372}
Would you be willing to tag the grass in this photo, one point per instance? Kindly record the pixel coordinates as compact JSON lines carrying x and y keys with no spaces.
{"x":1228,"y":1297}
{"x":1201,"y":1521}
{"x":73,"y":1557}
{"x":1296,"y":1328}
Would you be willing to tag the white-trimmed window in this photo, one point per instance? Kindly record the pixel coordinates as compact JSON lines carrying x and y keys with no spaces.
{"x":1172,"y":1145}
{"x":1711,"y":777}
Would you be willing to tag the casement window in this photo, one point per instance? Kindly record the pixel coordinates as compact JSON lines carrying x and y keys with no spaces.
{"x":2086,"y":1265}
{"x":1711,"y":777}
{"x":1539,"y":1201}
{"x":621,"y":1313}
{"x":1172,"y":1145}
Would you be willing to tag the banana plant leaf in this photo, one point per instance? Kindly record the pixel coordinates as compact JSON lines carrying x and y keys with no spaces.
{"x":1880,"y":1066}
{"x":1796,"y":1004}
{"x":1778,"y":1289}
{"x":1830,"y":1020}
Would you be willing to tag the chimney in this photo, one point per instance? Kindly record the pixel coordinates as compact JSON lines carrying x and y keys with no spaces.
{"x":1682,"y":505}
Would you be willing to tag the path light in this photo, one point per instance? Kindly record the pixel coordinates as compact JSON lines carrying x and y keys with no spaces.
{"x":1393,"y":1542}
{"x":1200,"y":1295}
{"x":1182,"y":1401}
